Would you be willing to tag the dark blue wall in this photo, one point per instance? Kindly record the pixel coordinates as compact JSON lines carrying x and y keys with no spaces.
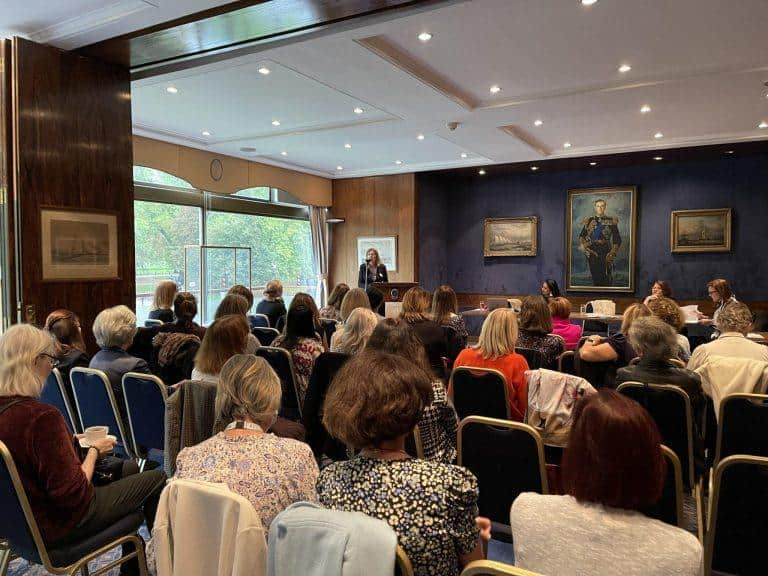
{"x":453,"y":204}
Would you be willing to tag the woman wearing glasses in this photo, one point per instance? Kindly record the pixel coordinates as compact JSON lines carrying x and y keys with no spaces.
{"x":66,"y":505}
{"x":721,"y":294}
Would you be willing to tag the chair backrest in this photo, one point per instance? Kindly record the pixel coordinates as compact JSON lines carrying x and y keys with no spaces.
{"x":506,"y":457}
{"x":670,"y":407}
{"x":743,"y":426}
{"x":54,"y":394}
{"x":479,"y":392}
{"x":413,"y":444}
{"x":148,"y":323}
{"x":324,"y":370}
{"x":737,"y":531}
{"x":145,"y":398}
{"x":534,"y":358}
{"x":492,"y":568}
{"x":566,"y":363}
{"x":669,"y":508}
{"x":17,"y":523}
{"x":258,"y":321}
{"x":282,"y":364}
{"x":403,"y":565}
{"x":265,"y":335}
{"x":96,"y":405}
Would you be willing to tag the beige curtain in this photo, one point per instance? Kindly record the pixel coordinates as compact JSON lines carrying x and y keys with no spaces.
{"x":319,"y":231}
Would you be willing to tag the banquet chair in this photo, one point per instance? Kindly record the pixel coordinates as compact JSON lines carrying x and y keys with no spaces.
{"x":282,"y":364}
{"x":54,"y":394}
{"x":479,"y":392}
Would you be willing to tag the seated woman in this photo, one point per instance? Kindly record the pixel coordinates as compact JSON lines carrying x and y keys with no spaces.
{"x":550,"y":289}
{"x":560,"y":308}
{"x":376,"y":300}
{"x":659,"y":289}
{"x":271,"y":472}
{"x":353,"y":299}
{"x":224,"y":338}
{"x":496,"y":349}
{"x":357,"y":331}
{"x":67,"y":507}
{"x":114,"y":329}
{"x":237,"y":305}
{"x":668,"y":311}
{"x":612,"y":469}
{"x":185,"y":310}
{"x":415,"y":310}
{"x":722,"y":296}
{"x":374,"y":403}
{"x":332,"y":310}
{"x":445,"y":312}
{"x":301,"y":339}
{"x":438,"y":423}
{"x":536,"y":328}
{"x":163,"y":301}
{"x":272,"y":305}
{"x":64,"y":325}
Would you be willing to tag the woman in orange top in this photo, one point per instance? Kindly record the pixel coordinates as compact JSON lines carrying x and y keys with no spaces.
{"x":496,"y":349}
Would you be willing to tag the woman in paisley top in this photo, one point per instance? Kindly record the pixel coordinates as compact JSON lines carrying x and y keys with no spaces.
{"x":271,"y":472}
{"x":374,"y":403}
{"x":536,"y":328}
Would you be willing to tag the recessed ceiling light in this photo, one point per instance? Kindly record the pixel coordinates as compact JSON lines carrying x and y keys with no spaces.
{"x":495,"y":89}
{"x":593,"y":163}
{"x":624,"y":68}
{"x":425,"y":36}
{"x":172,"y":90}
{"x":658,"y":158}
{"x":538,"y":122}
{"x":463,"y":154}
{"x":645,"y":109}
{"x":283,"y":153}
{"x":481,"y":172}
{"x":763,"y":125}
{"x":398,"y":162}
{"x":264,"y":70}
{"x":567,"y":144}
{"x":658,"y":135}
{"x":347,"y":146}
{"x":588,"y":2}
{"x":358,"y":110}
{"x":206,"y":133}
{"x":339,"y":168}
{"x":534,"y":168}
{"x":275,"y":122}
{"x":420,"y":137}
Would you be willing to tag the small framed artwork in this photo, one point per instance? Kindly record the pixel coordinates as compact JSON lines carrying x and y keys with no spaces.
{"x":78,"y":245}
{"x":510,"y":236}
{"x":701,"y":230}
{"x":386,"y":246}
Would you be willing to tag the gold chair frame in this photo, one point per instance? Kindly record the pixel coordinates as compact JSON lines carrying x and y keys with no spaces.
{"x":492,"y":568}
{"x":763,"y":398}
{"x":674,"y":461}
{"x":403,"y":563}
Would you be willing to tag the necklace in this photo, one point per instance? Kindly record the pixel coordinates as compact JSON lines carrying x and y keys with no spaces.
{"x":385,"y":454}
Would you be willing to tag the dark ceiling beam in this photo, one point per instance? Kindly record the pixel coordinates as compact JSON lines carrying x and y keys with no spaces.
{"x":235,"y":25}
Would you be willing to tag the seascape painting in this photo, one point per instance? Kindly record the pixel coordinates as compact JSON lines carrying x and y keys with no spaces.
{"x":701,"y":230}
{"x":510,"y":236}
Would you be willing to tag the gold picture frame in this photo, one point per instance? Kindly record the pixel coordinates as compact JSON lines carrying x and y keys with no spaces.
{"x":515,"y":236}
{"x":697,"y":231}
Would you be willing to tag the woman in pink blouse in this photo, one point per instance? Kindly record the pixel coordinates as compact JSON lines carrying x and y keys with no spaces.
{"x":561,"y":310}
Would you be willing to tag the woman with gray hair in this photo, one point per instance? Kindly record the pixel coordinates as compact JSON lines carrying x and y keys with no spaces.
{"x":271,"y":472}
{"x":114,"y":329}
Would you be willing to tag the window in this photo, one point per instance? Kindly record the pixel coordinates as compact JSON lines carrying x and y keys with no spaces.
{"x":146,"y":175}
{"x":258,"y":193}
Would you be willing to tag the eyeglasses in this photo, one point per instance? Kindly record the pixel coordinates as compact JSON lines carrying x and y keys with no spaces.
{"x":52,"y":359}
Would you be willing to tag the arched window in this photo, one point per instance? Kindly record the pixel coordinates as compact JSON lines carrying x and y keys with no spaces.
{"x":145,"y":175}
{"x":257,"y":193}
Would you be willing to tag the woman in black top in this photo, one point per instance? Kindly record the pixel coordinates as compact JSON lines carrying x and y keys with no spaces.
{"x":417,"y":303}
{"x":550,"y":289}
{"x":163,"y":301}
{"x":272,"y":305}
{"x":372,"y":270}
{"x":64,"y":325}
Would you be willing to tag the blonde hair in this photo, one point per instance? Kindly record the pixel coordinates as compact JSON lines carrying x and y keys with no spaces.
{"x":498,"y":336}
{"x":417,"y":304}
{"x":165,"y":292}
{"x":20,"y":348}
{"x":248,"y":387}
{"x":631,"y":314}
{"x":114,"y":327}
{"x":273,"y":289}
{"x":355,"y":298}
{"x":357,"y":331}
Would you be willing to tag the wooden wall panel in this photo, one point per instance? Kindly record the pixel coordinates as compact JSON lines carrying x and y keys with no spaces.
{"x":380,"y":205}
{"x":72,"y":148}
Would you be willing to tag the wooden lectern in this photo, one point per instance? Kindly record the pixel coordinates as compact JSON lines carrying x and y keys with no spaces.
{"x":394,"y":291}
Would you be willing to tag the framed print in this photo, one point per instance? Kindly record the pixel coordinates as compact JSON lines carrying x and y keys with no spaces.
{"x":78,"y":245}
{"x":510,"y":236}
{"x":600,"y":233}
{"x":386,"y":246}
{"x":701,"y":230}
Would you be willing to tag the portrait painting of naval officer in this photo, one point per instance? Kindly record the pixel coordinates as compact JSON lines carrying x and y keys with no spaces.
{"x":600,"y":234}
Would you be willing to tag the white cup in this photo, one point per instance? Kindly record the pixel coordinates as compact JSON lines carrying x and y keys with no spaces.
{"x":93,"y":433}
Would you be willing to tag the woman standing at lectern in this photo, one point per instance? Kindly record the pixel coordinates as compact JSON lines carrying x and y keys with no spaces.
{"x":372,"y":270}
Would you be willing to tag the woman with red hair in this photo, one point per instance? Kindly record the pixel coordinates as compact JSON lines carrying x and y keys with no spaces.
{"x":612,"y":469}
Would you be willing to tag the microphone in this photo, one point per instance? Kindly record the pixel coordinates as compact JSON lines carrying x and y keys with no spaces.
{"x":367,"y":260}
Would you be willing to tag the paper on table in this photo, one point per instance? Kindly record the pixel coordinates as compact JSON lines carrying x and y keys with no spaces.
{"x":392,"y":309}
{"x":691,"y":312}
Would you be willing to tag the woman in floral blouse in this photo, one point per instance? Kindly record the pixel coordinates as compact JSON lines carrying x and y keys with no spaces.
{"x":374,"y":403}
{"x":271,"y":472}
{"x":301,"y":340}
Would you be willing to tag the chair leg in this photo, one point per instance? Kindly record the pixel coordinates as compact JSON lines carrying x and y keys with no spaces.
{"x":700,"y":520}
{"x":5,"y":559}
